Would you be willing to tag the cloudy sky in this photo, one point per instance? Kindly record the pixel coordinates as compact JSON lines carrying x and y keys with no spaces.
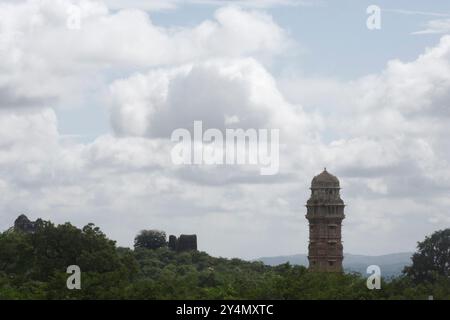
{"x":86,"y":116}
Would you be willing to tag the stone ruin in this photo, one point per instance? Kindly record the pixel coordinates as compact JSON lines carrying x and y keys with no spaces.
{"x":24,"y":224}
{"x":186,"y":242}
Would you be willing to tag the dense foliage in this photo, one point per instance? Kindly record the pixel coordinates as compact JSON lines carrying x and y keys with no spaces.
{"x":150,"y":239}
{"x":33,"y":266}
{"x":432,"y":260}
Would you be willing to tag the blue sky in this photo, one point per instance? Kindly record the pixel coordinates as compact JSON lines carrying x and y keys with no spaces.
{"x":332,"y":35}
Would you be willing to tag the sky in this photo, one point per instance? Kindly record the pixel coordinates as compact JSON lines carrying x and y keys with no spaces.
{"x":87,"y":107}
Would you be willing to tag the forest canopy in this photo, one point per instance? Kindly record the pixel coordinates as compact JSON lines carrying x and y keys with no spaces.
{"x":34,"y":260}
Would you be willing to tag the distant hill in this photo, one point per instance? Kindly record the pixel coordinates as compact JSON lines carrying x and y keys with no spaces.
{"x":390,"y":264}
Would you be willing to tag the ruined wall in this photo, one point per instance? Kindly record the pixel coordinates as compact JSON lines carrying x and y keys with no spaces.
{"x":24,"y":224}
{"x":184,"y":243}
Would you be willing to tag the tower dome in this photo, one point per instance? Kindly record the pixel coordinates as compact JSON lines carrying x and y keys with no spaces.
{"x":325,"y":180}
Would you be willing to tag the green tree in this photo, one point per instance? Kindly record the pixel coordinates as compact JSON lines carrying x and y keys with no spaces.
{"x":150,"y":239}
{"x":432,"y":260}
{"x":33,"y":264}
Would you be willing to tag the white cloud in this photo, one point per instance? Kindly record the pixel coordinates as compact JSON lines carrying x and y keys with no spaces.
{"x":385,"y":135}
{"x":156,"y":5}
{"x":390,"y":154}
{"x":128,"y":181}
{"x":161,"y":101}
{"x":439,"y":26}
{"x":44,"y":61}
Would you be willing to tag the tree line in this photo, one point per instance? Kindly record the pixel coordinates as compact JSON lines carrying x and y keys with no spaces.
{"x":33,"y":266}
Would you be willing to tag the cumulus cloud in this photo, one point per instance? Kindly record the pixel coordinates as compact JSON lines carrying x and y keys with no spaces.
{"x":122,"y":40}
{"x":161,"y":101}
{"x":384,"y":135}
{"x":127,"y":180}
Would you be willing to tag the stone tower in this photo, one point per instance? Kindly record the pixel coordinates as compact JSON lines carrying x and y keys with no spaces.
{"x":325,"y":212}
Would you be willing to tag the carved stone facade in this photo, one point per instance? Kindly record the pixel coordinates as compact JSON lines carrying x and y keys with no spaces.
{"x":325,"y":212}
